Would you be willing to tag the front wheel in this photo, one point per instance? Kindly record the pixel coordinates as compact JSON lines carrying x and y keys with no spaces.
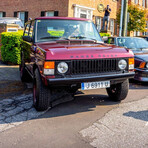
{"x":118,"y":92}
{"x":41,"y":93}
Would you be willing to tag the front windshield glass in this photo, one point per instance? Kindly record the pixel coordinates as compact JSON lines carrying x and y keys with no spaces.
{"x":135,"y":44}
{"x":49,"y":30}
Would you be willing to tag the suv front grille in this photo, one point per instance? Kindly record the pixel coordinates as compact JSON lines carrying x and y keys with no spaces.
{"x":94,"y":66}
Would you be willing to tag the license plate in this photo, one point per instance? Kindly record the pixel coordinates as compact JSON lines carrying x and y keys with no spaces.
{"x":95,"y":85}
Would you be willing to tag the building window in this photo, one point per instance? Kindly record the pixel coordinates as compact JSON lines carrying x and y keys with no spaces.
{"x":136,"y":1}
{"x":49,"y":13}
{"x":22,"y":15}
{"x":2,"y":14}
{"x":83,"y":12}
{"x":112,"y":26}
{"x":143,"y":3}
{"x":98,"y":23}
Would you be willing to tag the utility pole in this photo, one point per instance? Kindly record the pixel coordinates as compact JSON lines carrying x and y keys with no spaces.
{"x":125,"y":17}
{"x":121,"y":18}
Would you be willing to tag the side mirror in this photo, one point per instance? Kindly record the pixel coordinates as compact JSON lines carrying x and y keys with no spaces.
{"x":27,"y":38}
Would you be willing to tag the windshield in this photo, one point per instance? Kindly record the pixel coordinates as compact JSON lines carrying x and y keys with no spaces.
{"x":135,"y":44}
{"x":49,"y":30}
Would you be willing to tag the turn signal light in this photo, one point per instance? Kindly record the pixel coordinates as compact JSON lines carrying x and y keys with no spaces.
{"x":49,"y":68}
{"x":131,"y":63}
{"x":142,"y":65}
{"x":49,"y":65}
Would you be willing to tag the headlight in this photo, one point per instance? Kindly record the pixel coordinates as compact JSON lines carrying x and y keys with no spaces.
{"x":122,"y":64}
{"x":146,"y":65}
{"x":62,"y":67}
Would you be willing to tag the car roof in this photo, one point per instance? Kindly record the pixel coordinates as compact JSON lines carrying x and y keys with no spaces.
{"x":62,"y":18}
{"x":9,"y":18}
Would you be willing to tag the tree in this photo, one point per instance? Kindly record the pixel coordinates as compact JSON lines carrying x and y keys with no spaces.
{"x":137,"y":18}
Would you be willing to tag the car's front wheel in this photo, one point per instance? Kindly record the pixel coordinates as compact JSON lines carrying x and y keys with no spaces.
{"x":41,"y":93}
{"x":118,"y":92}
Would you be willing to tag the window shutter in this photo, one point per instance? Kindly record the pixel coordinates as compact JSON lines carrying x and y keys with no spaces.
{"x":15,"y":14}
{"x":4,"y":14}
{"x":26,"y":16}
{"x":56,"y":13}
{"x":42,"y":13}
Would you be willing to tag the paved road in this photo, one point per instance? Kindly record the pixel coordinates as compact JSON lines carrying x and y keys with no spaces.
{"x":67,"y":125}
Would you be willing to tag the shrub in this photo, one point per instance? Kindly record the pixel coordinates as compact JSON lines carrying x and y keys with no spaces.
{"x":104,"y":34}
{"x":11,"y":47}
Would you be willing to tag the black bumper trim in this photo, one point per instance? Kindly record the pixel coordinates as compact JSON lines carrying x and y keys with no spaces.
{"x":76,"y":80}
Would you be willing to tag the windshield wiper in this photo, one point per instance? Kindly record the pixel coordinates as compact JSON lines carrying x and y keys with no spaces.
{"x":50,"y":37}
{"x":84,"y":37}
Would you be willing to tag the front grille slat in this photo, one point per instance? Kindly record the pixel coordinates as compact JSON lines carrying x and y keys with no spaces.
{"x":94,"y":66}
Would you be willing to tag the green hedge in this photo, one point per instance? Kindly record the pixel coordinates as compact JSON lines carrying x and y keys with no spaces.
{"x":104,"y":34}
{"x":11,"y":47}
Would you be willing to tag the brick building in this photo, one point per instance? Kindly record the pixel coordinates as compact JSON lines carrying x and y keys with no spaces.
{"x":91,"y":9}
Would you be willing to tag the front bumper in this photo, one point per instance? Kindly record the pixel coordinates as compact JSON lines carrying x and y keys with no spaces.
{"x":114,"y":79}
{"x":141,"y":75}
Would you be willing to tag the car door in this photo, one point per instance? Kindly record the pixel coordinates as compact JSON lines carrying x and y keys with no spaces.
{"x":28,"y":52}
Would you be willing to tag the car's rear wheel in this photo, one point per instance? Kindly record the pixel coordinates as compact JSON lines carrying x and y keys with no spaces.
{"x":41,"y":93}
{"x":118,"y":92}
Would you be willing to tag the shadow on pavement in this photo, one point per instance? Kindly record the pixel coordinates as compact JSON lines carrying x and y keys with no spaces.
{"x":13,"y":111}
{"x":141,"y":115}
{"x":82,"y":103}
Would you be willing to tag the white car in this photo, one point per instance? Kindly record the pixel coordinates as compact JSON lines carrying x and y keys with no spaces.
{"x":12,"y":20}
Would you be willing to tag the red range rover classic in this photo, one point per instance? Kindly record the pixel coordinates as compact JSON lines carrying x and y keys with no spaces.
{"x":67,"y":54}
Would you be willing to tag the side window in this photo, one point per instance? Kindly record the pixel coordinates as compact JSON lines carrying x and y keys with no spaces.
{"x":26,"y":32}
{"x":110,"y":40}
{"x":31,"y":29}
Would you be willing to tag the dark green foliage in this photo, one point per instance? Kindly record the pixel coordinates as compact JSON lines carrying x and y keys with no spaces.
{"x":137,"y":18}
{"x":104,"y":34}
{"x":12,"y":44}
{"x":11,"y":47}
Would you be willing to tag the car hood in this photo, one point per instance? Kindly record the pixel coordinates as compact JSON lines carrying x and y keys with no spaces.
{"x":142,"y":56}
{"x":58,"y":51}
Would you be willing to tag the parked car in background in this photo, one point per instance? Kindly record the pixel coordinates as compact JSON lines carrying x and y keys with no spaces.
{"x":139,"y":46}
{"x":65,"y":54}
{"x":12,"y":20}
{"x":144,"y":37}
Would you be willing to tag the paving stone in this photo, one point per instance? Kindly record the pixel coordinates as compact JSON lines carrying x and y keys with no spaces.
{"x":2,"y":117}
{"x":13,"y":112}
{"x":9,"y":108}
{"x":27,"y":105}
{"x":16,"y":110}
{"x":8,"y":120}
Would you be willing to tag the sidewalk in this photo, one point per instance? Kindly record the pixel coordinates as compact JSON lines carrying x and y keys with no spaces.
{"x":10,"y":83}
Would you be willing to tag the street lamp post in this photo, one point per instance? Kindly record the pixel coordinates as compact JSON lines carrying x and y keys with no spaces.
{"x":121,"y":18}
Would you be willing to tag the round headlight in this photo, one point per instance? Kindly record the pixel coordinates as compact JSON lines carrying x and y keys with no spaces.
{"x":62,"y":67}
{"x":146,"y":65}
{"x":122,"y":64}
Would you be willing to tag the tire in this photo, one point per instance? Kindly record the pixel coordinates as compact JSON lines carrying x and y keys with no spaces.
{"x":73,"y":90}
{"x":24,"y":75}
{"x":41,"y":93}
{"x":119,"y":91}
